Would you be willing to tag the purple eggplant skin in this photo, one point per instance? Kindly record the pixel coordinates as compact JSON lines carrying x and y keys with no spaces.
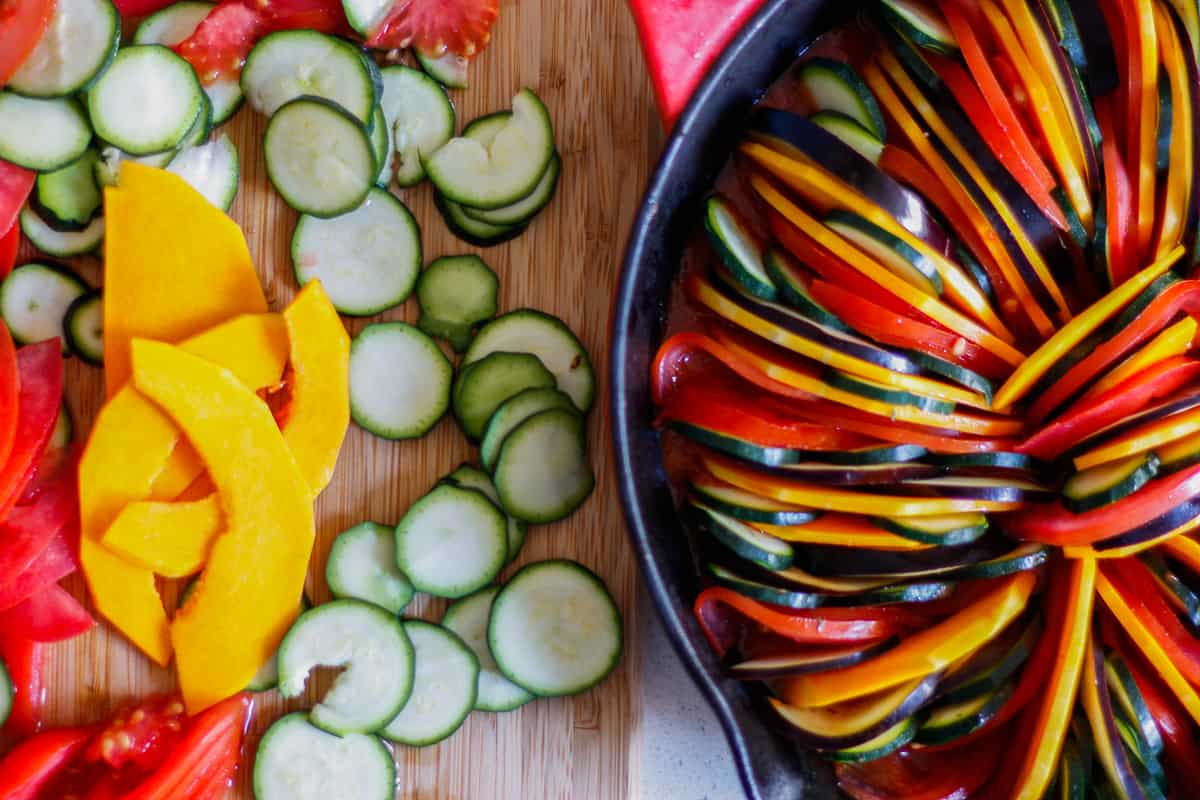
{"x":793,"y":135}
{"x":917,"y":699}
{"x":805,"y":664}
{"x":1005,"y":490}
{"x":1102,"y":75}
{"x":1173,"y":405}
{"x":834,"y":475}
{"x":783,"y":317}
{"x":827,"y":560}
{"x":1118,"y":759}
{"x":1160,"y":526}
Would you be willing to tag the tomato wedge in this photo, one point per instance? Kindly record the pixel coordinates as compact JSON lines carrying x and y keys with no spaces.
{"x":32,"y":764}
{"x":15,"y":182}
{"x":437,"y":26}
{"x":10,"y":243}
{"x":23,"y":659}
{"x":40,"y":370}
{"x":50,"y":614}
{"x":22,"y":23}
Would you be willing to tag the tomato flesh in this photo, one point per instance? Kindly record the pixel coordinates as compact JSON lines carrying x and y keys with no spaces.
{"x":22,"y":23}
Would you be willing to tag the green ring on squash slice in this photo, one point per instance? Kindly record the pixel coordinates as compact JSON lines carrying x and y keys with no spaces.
{"x":889,"y":250}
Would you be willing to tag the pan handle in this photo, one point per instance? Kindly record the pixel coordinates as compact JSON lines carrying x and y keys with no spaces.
{"x":681,"y":39}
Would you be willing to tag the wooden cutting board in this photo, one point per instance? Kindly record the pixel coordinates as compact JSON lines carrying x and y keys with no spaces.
{"x":582,"y":58}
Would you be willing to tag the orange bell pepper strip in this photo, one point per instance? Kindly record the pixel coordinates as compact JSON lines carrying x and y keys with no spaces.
{"x":930,"y":650}
{"x":1140,"y":590}
{"x":1134,"y":624}
{"x":1118,"y":191}
{"x":1182,"y":297}
{"x":1053,"y":714}
{"x":1175,"y":196}
{"x":915,"y":133}
{"x":1074,"y":332}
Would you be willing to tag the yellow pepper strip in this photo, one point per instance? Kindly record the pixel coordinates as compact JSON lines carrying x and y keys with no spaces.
{"x":135,"y":452}
{"x":165,"y":278}
{"x":842,"y":530}
{"x":909,"y":89}
{"x":1185,"y":550}
{"x":1176,"y":199}
{"x":1172,"y":341}
{"x":801,"y":378}
{"x":320,"y":384}
{"x":169,"y":539}
{"x":847,"y":718}
{"x":812,"y":181}
{"x":1057,"y":346}
{"x":933,"y":649}
{"x":1088,"y":551}
{"x":828,"y":498}
{"x":889,"y":281}
{"x":1049,"y":111}
{"x":1150,"y":436}
{"x":1058,"y":700}
{"x":249,"y":593}
{"x":1149,"y":646}
{"x":1145,"y":166}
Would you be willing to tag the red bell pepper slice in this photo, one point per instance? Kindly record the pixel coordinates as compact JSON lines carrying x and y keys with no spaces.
{"x":900,"y":330}
{"x":1182,"y":749}
{"x":22,"y":23}
{"x":681,"y":41}
{"x":206,"y":754}
{"x":29,"y":767}
{"x":1119,"y":210}
{"x":1182,"y":297}
{"x":23,"y":659}
{"x":29,"y":529}
{"x":40,"y":367}
{"x":1136,"y":584}
{"x":1091,"y":414}
{"x":51,"y":614}
{"x":1052,"y":523}
{"x":10,"y":389}
{"x":10,"y":243}
{"x":724,"y":615}
{"x":15,"y":182}
{"x":918,"y":774}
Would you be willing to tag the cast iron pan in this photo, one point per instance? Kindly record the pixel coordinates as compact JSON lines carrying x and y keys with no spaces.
{"x":702,"y":139}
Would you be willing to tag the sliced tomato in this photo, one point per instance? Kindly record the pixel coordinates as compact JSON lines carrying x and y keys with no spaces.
{"x":32,"y":764}
{"x":437,"y":26}
{"x":133,"y":9}
{"x":15,"y":182}
{"x":40,"y":370}
{"x":56,"y":562}
{"x":29,"y":529}
{"x":221,"y":42}
{"x":140,"y":737}
{"x":22,"y":23}
{"x":23,"y":660}
{"x":10,"y":243}
{"x":50,"y":614}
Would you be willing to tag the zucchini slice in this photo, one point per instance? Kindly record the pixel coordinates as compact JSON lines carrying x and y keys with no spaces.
{"x":1109,"y":482}
{"x":892,"y":252}
{"x":1129,"y":699}
{"x":362,"y":566}
{"x":948,"y":529}
{"x":949,"y":721}
{"x":399,"y":381}
{"x":471,"y":477}
{"x":852,"y":132}
{"x":542,"y":473}
{"x":452,"y":542}
{"x":791,"y":281}
{"x":749,"y":507}
{"x":744,"y":540}
{"x":445,"y":686}
{"x":809,"y":661}
{"x":468,"y":619}
{"x":921,"y":24}
{"x":512,"y":412}
{"x":484,"y":385}
{"x":294,"y":752}
{"x":739,"y":247}
{"x":920,"y":592}
{"x":455,"y":294}
{"x":885,"y":394}
{"x":289,"y":64}
{"x":834,"y":86}
{"x":34,"y":300}
{"x":449,"y":69}
{"x":83,"y":325}
{"x":421,"y":117}
{"x":992,"y":666}
{"x":882,"y":745}
{"x":118,"y":107}
{"x":69,"y":198}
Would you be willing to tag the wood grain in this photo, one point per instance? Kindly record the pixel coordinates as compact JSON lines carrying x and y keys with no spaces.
{"x":582,"y":58}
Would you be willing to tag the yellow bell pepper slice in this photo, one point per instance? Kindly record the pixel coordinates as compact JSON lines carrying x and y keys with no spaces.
{"x":136,"y":453}
{"x":828,"y":192}
{"x":319,"y":413}
{"x":1150,"y":647}
{"x":1185,"y":550}
{"x":930,"y":650}
{"x":1068,"y":336}
{"x":1058,"y":699}
{"x":1174,"y":208}
{"x":938,"y":126}
{"x":1144,"y":165}
{"x":174,"y":265}
{"x":889,"y":281}
{"x":1088,"y":551}
{"x":171,"y":539}
{"x":1150,"y":436}
{"x":250,"y":590}
{"x":842,"y":530}
{"x":1050,"y":112}
{"x":829,"y":498}
{"x":1172,"y":341}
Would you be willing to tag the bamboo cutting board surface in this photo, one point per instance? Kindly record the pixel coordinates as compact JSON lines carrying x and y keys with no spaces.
{"x":582,"y":58}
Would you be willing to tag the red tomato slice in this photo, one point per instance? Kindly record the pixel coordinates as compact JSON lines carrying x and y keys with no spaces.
{"x":132,"y":9}
{"x":30,"y":529}
{"x":31,"y":765}
{"x":40,"y":367}
{"x":9,"y":244}
{"x":23,"y":659}
{"x":53,"y":564}
{"x":437,"y":26}
{"x":22,"y":23}
{"x":51,"y":614}
{"x":15,"y":182}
